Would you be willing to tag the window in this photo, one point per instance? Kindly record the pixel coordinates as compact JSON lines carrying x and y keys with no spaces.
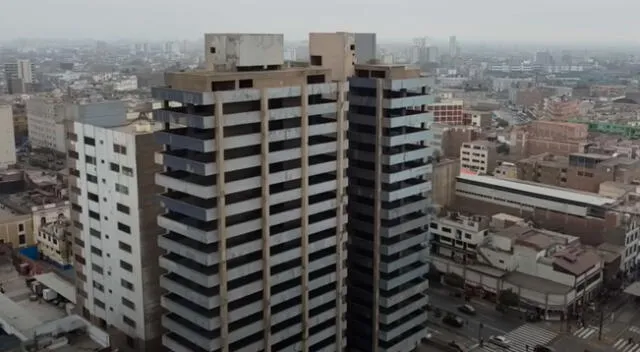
{"x":122,"y":208}
{"x":117,"y":148}
{"x":433,"y":225}
{"x":212,"y":50}
{"x":93,"y":197}
{"x":126,"y":266}
{"x":98,"y":286}
{"x":127,"y":171}
{"x":98,"y":303}
{"x":20,"y":227}
{"x":122,"y":189}
{"x":94,"y":232}
{"x":94,"y":215}
{"x":89,"y":141}
{"x":22,"y":239}
{"x":316,"y":60}
{"x":446,"y":229}
{"x":96,"y":251}
{"x":125,"y":247}
{"x":114,"y":167}
{"x":128,"y":303}
{"x":131,"y":342}
{"x":78,"y":225}
{"x":76,"y":190}
{"x":97,"y":268}
{"x":75,"y":207}
{"x":467,"y":236}
{"x":79,"y":259}
{"x":90,"y":160}
{"x":124,"y":228}
{"x":128,"y":321}
{"x":72,"y":136}
{"x":92,"y":178}
{"x":126,"y":284}
{"x":73,"y":154}
{"x":78,"y":241}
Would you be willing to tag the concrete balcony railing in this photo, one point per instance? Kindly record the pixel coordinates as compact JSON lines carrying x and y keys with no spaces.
{"x":419,"y":270}
{"x":171,"y":342}
{"x":407,"y":189}
{"x":403,"y":295}
{"x":189,"y":184}
{"x":190,"y":206}
{"x":182,"y":96}
{"x":180,"y":326}
{"x":419,"y":304}
{"x":175,"y":116}
{"x":194,"y":313}
{"x":181,"y":139}
{"x":182,"y":161}
{"x":197,"y":251}
{"x":189,"y":291}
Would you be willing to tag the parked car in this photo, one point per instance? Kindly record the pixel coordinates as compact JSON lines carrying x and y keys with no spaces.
{"x":541,"y":348}
{"x":467,"y":309}
{"x":453,"y":320}
{"x":500,"y":341}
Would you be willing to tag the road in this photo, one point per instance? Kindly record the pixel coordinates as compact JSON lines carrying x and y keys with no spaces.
{"x":494,"y":322}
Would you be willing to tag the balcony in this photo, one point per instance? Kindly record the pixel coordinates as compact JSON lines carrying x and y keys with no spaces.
{"x":185,"y":182}
{"x":207,"y":340}
{"x":182,"y":96}
{"x":198,"y":208}
{"x":199,"y":117}
{"x":187,"y":138}
{"x":186,"y":247}
{"x":176,"y":343}
{"x":390,"y":315}
{"x":407,"y":274}
{"x":194,"y":229}
{"x":205,"y":319}
{"x":202,"y":296}
{"x":197,"y":163}
{"x":400,"y":190}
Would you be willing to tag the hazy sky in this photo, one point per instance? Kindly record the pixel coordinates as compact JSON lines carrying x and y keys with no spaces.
{"x":503,"y":20}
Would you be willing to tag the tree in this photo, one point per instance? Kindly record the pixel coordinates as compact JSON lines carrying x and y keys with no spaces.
{"x":508,"y":298}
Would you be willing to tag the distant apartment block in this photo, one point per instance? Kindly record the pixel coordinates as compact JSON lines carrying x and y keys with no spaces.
{"x":558,"y":138}
{"x":389,"y":198}
{"x":478,"y":156}
{"x":55,"y":243}
{"x":114,"y":211}
{"x":448,"y":112}
{"x":255,"y":200}
{"x":7,"y":138}
{"x":562,"y":109}
{"x":19,"y":76}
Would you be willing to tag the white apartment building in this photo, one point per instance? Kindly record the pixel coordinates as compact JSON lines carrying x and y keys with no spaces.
{"x":45,"y":118}
{"x":478,"y":156}
{"x":7,"y":138}
{"x":113,"y":213}
{"x":457,"y":236}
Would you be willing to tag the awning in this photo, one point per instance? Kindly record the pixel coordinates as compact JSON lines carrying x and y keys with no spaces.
{"x":61,"y":286}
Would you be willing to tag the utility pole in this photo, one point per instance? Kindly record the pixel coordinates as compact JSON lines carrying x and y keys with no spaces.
{"x":601,"y":323}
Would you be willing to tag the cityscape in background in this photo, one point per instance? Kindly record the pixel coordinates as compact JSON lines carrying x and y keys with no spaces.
{"x":245,"y":192}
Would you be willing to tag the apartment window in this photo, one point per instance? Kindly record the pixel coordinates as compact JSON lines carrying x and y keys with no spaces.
{"x":89,"y":141}
{"x":122,"y":208}
{"x":79,"y":259}
{"x":98,"y":303}
{"x":128,"y":303}
{"x":114,"y":167}
{"x":73,"y":154}
{"x":122,"y":189}
{"x":97,"y":268}
{"x":94,"y":215}
{"x":446,"y":229}
{"x":96,"y":251}
{"x":128,"y":321}
{"x":79,"y":242}
{"x":131,"y":342}
{"x":92,"y":178}
{"x":126,"y":284}
{"x":72,"y":136}
{"x":433,"y":225}
{"x":78,"y":225}
{"x":81,"y":292}
{"x":126,"y":266}
{"x":95,"y":233}
{"x":90,"y":159}
{"x":75,"y":207}
{"x":316,"y":60}
{"x":74,"y":172}
{"x":22,"y":239}
{"x":76,"y":190}
{"x":124,"y":228}
{"x":127,"y":171}
{"x":125,"y":247}
{"x":212,"y":50}
{"x":117,"y":148}
{"x":98,"y":286}
{"x":20,"y":227}
{"x":467,"y":236}
{"x":93,"y":197}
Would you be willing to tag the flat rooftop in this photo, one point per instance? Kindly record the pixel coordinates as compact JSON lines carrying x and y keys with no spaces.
{"x":536,"y":188}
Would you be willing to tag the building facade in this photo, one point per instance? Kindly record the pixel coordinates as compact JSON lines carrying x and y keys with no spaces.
{"x":389,"y":199}
{"x":7,"y":138}
{"x":255,"y":204}
{"x":478,"y":156}
{"x":19,"y":76}
{"x":449,"y":112}
{"x":55,"y":243}
{"x":114,"y":211}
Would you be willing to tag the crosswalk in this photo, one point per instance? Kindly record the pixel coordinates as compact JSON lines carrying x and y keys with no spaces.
{"x":586,"y":332}
{"x":624,"y":345}
{"x":525,"y":335}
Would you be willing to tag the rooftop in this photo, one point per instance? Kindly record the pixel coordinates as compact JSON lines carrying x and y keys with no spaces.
{"x":576,"y":260}
{"x":535,"y":188}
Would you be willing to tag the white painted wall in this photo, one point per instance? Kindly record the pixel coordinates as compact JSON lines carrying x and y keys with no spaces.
{"x":7,"y":138}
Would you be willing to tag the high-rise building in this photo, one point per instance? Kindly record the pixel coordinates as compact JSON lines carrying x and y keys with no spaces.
{"x":114,"y":211}
{"x":19,"y":76}
{"x":453,"y":46}
{"x":7,"y":138}
{"x":366,"y":48}
{"x":255,"y":202}
{"x":389,"y":201}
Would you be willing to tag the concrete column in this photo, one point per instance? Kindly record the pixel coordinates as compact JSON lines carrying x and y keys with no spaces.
{"x":304,"y":211}
{"x":222,"y":224}
{"x":266,"y":232}
{"x":341,"y":234}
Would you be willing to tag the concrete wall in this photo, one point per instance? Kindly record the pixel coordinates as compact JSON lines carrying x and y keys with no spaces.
{"x":7,"y":138}
{"x":366,"y":49}
{"x":444,"y":182}
{"x":225,"y":52}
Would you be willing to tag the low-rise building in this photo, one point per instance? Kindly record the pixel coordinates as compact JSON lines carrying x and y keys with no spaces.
{"x":55,"y":243}
{"x":478,"y":156}
{"x":506,"y":169}
{"x":16,"y":228}
{"x":457,"y":236}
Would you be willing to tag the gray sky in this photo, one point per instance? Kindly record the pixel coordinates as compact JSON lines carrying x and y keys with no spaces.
{"x":597,"y":21}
